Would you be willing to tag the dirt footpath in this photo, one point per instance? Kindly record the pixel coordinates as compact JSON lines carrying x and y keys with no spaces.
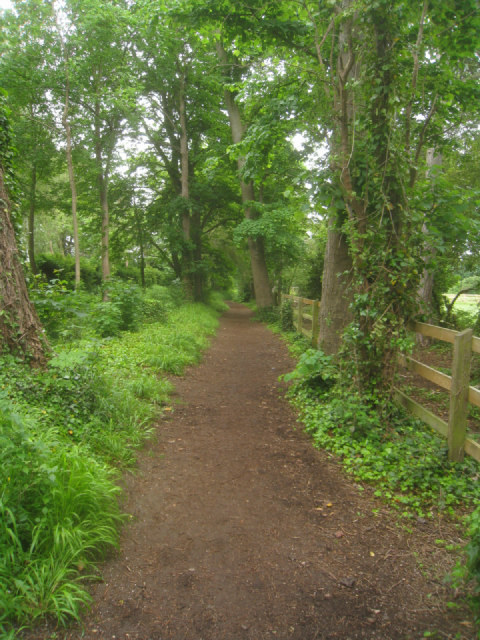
{"x":241,"y":530}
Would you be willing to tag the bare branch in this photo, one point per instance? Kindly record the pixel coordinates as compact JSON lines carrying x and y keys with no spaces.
{"x":421,"y":140}
{"x":416,"y":64}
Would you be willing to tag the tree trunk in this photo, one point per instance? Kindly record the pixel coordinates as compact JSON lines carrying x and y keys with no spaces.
{"x":197,"y":276}
{"x":184,"y":168}
{"x":334,"y":313}
{"x":141,"y":242}
{"x":71,"y":174}
{"x":20,"y":329}
{"x":105,"y":229}
{"x":102,"y":181}
{"x":425,"y":292}
{"x":256,"y":246}
{"x":187,"y":265}
{"x":103,"y":189}
{"x":31,"y":220}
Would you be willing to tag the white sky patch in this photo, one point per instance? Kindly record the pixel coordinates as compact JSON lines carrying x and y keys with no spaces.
{"x":317,"y":152}
{"x":298,"y":141}
{"x":5,"y":4}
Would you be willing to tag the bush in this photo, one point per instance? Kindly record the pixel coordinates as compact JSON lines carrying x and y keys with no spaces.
{"x":90,"y":274}
{"x":270,"y":315}
{"x":49,"y":298}
{"x":59,"y":267}
{"x":127,"y":274}
{"x":286,"y":316}
{"x":107,"y":319}
{"x":314,"y":370}
{"x":216,"y":301}
{"x":163,"y":276}
{"x":157,"y":303}
{"x":62,"y":312}
{"x":55,"y":266}
{"x":177,"y":292}
{"x":128,"y":299}
{"x":122,"y":310}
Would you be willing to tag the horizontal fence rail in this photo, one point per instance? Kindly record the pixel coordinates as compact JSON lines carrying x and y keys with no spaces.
{"x":306,"y":321}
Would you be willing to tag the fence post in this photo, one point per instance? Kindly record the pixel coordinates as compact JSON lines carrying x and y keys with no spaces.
{"x":457,"y":419}
{"x":315,"y":325}
{"x":300,"y":315}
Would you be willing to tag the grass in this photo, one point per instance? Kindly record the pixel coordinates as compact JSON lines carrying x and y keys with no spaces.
{"x":467,"y":303}
{"x":66,"y":434}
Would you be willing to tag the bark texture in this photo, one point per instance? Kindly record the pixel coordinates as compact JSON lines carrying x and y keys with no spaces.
{"x":20,"y":329}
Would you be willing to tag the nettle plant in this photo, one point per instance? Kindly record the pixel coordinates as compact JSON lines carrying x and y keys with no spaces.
{"x":315,"y":370}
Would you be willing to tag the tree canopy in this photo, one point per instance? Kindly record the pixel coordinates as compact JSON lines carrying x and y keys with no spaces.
{"x":198,"y":133}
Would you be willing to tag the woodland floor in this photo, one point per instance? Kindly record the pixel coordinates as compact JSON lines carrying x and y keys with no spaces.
{"x":241,"y":530}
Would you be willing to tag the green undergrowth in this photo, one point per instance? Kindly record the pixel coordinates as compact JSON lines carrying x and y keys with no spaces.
{"x":377,"y":443}
{"x":403,"y":458}
{"x":66,"y":433}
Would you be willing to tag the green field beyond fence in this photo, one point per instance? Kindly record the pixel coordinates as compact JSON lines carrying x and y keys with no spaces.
{"x":467,"y":303}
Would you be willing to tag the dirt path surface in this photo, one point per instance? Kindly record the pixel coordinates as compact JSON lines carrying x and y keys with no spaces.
{"x":241,"y":530}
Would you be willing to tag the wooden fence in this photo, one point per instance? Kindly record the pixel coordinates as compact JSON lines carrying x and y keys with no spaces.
{"x":458,"y":384}
{"x":305,"y":316}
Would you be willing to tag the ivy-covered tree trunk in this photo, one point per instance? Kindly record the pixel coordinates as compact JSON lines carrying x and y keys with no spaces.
{"x":20,"y":329}
{"x":382,"y":233}
{"x":335,"y":312}
{"x":370,"y":271}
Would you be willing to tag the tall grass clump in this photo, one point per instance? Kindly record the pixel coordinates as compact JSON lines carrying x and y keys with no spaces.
{"x":59,"y":511}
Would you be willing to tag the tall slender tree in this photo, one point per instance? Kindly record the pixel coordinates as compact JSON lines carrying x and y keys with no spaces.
{"x":261,"y":280}
{"x":181,"y":96}
{"x":69,"y":144}
{"x":104,"y":89}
